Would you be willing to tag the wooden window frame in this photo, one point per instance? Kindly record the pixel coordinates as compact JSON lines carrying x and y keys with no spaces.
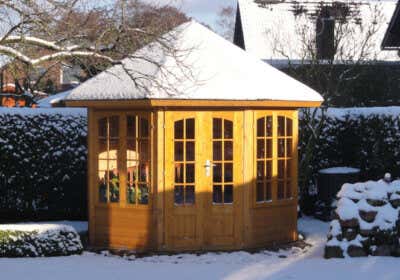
{"x":222,"y":161}
{"x":274,"y":187}
{"x":185,"y":162}
{"x":122,"y":158}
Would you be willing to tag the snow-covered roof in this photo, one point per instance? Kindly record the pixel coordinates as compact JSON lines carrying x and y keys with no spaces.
{"x":52,"y":99}
{"x":276,"y":32}
{"x":207,"y":68}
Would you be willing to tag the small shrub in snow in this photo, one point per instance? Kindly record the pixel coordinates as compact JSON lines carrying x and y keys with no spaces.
{"x":368,"y":222}
{"x":35,"y":240}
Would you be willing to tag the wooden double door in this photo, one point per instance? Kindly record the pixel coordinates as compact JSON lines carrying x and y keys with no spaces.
{"x":203,"y":180}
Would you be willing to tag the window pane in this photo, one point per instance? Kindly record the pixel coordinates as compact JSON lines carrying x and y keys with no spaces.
{"x":228,"y":129}
{"x":143,"y":194}
{"x":217,"y":150}
{"x":189,"y":195}
{"x":217,"y":194}
{"x":190,"y":173}
{"x":114,"y":186}
{"x":260,"y":127}
{"x":289,"y":147}
{"x":269,"y":148}
{"x":268,"y":172}
{"x":228,"y":150}
{"x":281,"y":147}
{"x":102,"y":186}
{"x":114,"y":127}
{"x":288,"y":189}
{"x":289,"y":127}
{"x":260,"y":148}
{"x":144,"y":172}
{"x":281,"y":189}
{"x":178,"y":195}
{"x":131,"y":194}
{"x":281,"y":169}
{"x":228,"y":194}
{"x":131,"y":126}
{"x":217,"y":173}
{"x":281,"y":126}
{"x":190,"y":129}
{"x":260,"y":192}
{"x":112,"y":153}
{"x":288,"y":169}
{"x":144,"y":150}
{"x":103,"y":154}
{"x":131,"y":153}
{"x":217,"y":128}
{"x":178,"y":151}
{"x":178,"y":130}
{"x":269,"y":127}
{"x":268,"y":194}
{"x":144,"y":128}
{"x":190,"y":152}
{"x":179,"y":172}
{"x":103,"y":127}
{"x":260,"y":170}
{"x":228,"y":172}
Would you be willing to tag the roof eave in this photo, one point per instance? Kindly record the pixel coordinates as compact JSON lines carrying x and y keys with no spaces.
{"x":190,"y":103}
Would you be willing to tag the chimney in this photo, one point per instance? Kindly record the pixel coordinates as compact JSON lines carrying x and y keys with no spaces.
{"x":325,"y":35}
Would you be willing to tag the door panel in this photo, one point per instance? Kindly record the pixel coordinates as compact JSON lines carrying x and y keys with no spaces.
{"x":224,"y":204}
{"x":183,"y":201}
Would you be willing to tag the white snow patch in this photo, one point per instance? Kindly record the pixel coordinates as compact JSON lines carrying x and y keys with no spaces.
{"x":339,"y":170}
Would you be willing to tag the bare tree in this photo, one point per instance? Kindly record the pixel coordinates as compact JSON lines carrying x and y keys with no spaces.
{"x":226,"y":22}
{"x":47,"y":33}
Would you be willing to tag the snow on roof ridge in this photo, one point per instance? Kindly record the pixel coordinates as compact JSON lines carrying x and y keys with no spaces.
{"x":222,"y":71}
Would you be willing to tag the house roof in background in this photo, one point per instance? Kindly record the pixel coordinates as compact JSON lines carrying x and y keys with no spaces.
{"x":48,"y":102}
{"x":273,"y":32}
{"x":210,"y":68}
{"x":392,"y":37}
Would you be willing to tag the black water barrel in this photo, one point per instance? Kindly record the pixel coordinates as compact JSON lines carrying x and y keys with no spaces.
{"x":330,"y":180}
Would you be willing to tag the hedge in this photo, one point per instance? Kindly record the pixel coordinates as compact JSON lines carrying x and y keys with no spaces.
{"x":37,"y":240}
{"x":367,"y":138}
{"x":42,"y":164}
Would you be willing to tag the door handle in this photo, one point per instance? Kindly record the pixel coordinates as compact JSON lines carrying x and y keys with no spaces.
{"x":208,"y":166}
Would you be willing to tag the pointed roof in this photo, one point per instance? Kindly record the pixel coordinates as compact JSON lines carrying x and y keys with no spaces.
{"x":274,"y":31}
{"x":209,"y":68}
{"x":391,"y":41}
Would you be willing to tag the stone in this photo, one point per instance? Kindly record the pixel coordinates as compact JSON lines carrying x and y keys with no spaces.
{"x":395,"y":203}
{"x":349,"y":233}
{"x":333,"y":252}
{"x":356,"y":251}
{"x":352,"y":223}
{"x":368,"y":216}
{"x":376,"y":202}
{"x":368,"y":232}
{"x":382,"y":251}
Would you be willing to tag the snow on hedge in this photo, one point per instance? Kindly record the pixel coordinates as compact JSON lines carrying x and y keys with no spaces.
{"x":368,"y":220}
{"x":42,"y":163}
{"x":39,"y":240}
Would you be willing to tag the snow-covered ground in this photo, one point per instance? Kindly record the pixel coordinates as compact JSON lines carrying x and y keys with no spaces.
{"x":307,"y":264}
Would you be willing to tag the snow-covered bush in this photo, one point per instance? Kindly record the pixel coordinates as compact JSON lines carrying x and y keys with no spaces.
{"x":38,"y":240}
{"x":365,"y":138}
{"x":367,"y":220}
{"x":42,"y":164}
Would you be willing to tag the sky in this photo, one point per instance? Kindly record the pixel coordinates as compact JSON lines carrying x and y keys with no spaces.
{"x":202,"y":10}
